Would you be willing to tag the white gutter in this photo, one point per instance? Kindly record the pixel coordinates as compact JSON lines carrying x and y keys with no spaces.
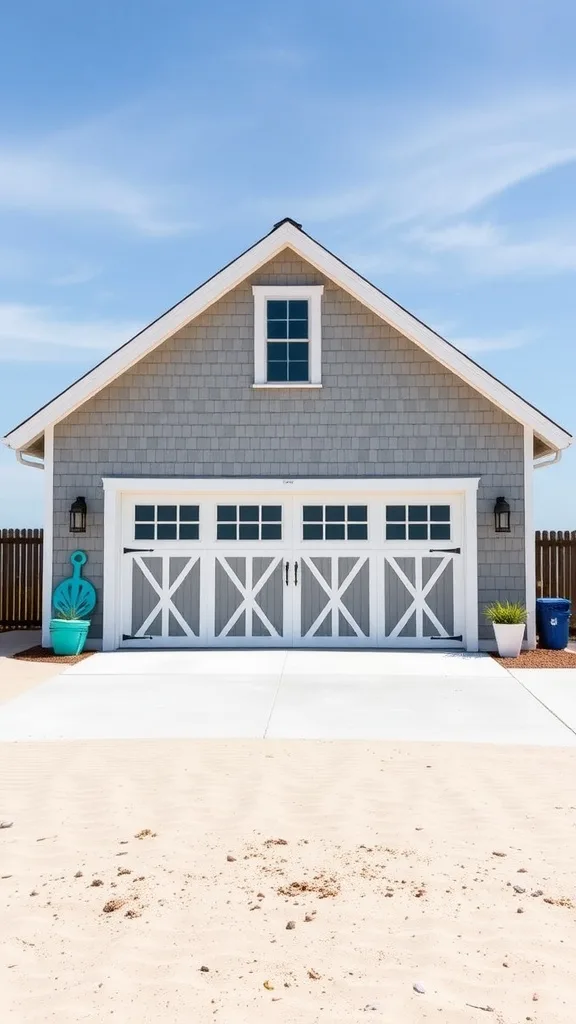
{"x":551,"y":462}
{"x":24,"y":462}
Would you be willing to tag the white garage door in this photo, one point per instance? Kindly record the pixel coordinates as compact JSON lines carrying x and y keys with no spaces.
{"x":314,"y":570}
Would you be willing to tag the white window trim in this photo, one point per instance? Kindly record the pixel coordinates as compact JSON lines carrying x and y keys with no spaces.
{"x":312,"y":292}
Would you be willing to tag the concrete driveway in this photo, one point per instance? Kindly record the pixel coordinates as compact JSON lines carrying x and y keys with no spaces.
{"x":430,"y":696}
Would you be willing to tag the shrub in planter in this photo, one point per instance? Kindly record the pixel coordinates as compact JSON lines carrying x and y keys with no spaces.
{"x":68,"y":632}
{"x":509,"y":621}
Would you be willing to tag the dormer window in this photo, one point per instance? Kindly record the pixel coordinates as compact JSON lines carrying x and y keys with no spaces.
{"x":287,"y":335}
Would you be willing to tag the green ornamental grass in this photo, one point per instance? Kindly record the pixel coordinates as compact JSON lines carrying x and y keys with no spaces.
{"x":69,"y":615}
{"x":506,"y":613}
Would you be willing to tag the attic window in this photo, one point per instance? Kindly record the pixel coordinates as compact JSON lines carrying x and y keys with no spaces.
{"x":287,"y":336}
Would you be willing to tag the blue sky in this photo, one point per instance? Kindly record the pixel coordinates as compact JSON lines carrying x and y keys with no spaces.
{"x":431,"y":144}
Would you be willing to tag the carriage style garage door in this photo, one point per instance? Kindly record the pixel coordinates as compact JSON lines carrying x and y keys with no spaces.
{"x":289,"y":564}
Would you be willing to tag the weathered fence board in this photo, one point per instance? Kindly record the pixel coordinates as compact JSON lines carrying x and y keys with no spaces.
{"x":21,"y":579}
{"x":556,"y":566}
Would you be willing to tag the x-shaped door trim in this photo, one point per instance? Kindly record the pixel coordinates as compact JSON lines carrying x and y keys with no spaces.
{"x":165,"y":594}
{"x":418,"y":593}
{"x":334,"y":605}
{"x":248,"y":593}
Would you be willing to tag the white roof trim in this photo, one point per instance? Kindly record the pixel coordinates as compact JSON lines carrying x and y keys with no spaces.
{"x":287,"y":234}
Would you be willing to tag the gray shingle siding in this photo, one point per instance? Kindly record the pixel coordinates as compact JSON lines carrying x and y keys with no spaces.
{"x":385,"y":409}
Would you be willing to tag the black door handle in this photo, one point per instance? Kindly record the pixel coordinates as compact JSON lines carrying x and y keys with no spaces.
{"x":287,"y":571}
{"x":295,"y":574}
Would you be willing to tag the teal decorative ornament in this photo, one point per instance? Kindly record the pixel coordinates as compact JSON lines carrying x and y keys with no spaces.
{"x":75,"y":597}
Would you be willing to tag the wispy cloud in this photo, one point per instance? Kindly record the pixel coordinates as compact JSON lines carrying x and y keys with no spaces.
{"x":456,"y":236}
{"x":467,"y":157}
{"x":454,"y":161}
{"x":489,"y":250}
{"x":41,"y":181}
{"x":35,"y":334}
{"x":425,"y":190}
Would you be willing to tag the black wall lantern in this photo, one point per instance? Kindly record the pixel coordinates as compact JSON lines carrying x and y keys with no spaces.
{"x":78,"y":516}
{"x":502,"y":516}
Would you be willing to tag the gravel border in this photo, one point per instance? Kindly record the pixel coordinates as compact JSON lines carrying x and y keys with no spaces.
{"x":46,"y":655}
{"x":539,"y":659}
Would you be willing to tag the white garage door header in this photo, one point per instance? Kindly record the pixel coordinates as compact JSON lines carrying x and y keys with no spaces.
{"x":252,"y":485}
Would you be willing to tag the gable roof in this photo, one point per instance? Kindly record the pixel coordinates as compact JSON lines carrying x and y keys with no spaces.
{"x":286,"y":233}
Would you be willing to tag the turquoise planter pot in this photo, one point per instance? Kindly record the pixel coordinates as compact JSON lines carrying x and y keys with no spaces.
{"x":68,"y":636}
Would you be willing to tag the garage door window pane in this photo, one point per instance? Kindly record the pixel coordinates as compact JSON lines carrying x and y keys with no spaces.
{"x":357,"y":531}
{"x":166,"y":513}
{"x":440,"y":531}
{"x":227,"y":513}
{"x":439,"y":513}
{"x":166,"y":531}
{"x":189,"y":513}
{"x":226,"y":531}
{"x":248,"y":531}
{"x":144,"y":531}
{"x":271,"y":531}
{"x":395,"y":531}
{"x":249,"y":513}
{"x":396,"y":513}
{"x":335,"y":531}
{"x":144,"y":513}
{"x":189,"y":531}
{"x":313,"y":531}
{"x":418,"y":513}
{"x":271,"y":513}
{"x":417,"y":531}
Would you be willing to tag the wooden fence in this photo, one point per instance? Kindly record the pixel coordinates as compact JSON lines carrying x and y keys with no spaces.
{"x":556,"y":566}
{"x":20,"y":579}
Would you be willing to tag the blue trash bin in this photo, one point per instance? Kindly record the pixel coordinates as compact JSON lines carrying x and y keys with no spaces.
{"x":553,"y":622}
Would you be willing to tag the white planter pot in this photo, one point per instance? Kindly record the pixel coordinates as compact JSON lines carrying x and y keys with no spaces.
{"x":509,"y":639}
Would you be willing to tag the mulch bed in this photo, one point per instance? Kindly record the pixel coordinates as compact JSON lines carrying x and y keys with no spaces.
{"x":46,"y":655}
{"x":539,"y":659}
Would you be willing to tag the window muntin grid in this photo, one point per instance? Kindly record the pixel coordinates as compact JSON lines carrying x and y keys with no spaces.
{"x":249,"y":522}
{"x":418,"y":522}
{"x":166,"y":522}
{"x":335,"y":522}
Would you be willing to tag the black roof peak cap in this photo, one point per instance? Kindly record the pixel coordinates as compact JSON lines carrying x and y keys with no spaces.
{"x":287,"y":220}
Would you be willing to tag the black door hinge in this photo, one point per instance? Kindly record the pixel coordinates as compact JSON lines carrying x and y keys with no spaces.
{"x":446,"y":637}
{"x":128,"y":551}
{"x":126,"y":636}
{"x":443,"y":551}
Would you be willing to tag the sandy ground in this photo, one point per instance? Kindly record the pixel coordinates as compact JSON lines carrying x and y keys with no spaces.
{"x":397,"y":865}
{"x":18,"y":676}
